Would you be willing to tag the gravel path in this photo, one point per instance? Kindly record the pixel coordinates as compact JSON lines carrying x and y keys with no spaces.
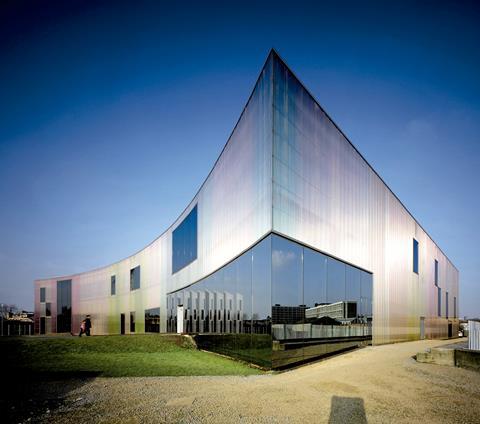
{"x":376,"y":384}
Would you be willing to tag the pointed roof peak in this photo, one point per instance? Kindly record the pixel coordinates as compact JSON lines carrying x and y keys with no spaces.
{"x":274,"y":52}
{"x":276,"y":56}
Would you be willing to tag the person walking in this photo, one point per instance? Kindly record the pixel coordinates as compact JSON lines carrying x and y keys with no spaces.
{"x":82,"y":328}
{"x":88,"y":325}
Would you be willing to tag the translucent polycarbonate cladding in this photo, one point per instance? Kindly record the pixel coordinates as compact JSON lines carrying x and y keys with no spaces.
{"x":286,"y":168}
{"x":326,"y":195}
{"x":233,"y":212}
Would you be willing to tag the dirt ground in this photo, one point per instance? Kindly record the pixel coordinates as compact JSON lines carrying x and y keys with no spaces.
{"x":381,"y":384}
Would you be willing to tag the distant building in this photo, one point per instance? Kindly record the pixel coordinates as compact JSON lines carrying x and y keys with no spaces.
{"x":341,"y":311}
{"x":290,"y":215}
{"x":288,"y":314}
{"x":19,"y":323}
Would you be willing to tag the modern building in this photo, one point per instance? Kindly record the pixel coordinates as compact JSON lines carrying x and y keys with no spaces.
{"x":14,"y":322}
{"x":343,"y":312}
{"x":290,"y":217}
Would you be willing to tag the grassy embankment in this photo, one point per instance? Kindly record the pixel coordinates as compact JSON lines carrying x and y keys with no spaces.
{"x":113,"y":356}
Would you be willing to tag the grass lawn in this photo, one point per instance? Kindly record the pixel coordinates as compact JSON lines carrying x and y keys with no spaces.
{"x":113,"y":356}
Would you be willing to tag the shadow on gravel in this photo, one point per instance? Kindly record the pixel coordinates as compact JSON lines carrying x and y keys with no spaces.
{"x":345,"y":410}
{"x":32,"y":397}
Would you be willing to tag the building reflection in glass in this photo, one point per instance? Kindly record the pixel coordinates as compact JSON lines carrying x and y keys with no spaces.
{"x":277,"y":303}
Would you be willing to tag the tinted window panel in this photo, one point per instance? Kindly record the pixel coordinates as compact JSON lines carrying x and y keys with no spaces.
{"x":446,"y":304}
{"x":261,"y":302}
{"x":415,"y":256}
{"x":287,"y":287}
{"x":184,"y":242}
{"x":113,"y":288}
{"x":439,"y":300}
{"x":315,"y":278}
{"x":335,"y":281}
{"x":135,"y":278}
{"x":288,"y":310}
{"x":152,"y":320}
{"x":132,"y":322}
{"x":352,"y":284}
{"x":261,"y":287}
{"x":42,"y":294}
{"x":366,"y":293}
{"x":64,"y":306}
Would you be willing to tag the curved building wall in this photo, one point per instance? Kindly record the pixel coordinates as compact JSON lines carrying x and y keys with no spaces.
{"x":234,"y":211}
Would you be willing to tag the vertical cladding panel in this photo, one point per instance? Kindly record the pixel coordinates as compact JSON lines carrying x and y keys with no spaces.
{"x":327,"y":196}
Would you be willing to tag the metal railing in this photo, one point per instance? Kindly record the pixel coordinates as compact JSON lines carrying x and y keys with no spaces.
{"x":474,"y":335}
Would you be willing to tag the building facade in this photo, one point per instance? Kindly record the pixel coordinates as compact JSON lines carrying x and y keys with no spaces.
{"x":290,"y":219}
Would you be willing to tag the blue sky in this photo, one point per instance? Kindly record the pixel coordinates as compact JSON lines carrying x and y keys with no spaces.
{"x":113,"y":113}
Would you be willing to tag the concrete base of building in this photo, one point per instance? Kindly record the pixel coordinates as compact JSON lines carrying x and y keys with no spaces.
{"x":466,"y":358}
{"x":455,"y":355}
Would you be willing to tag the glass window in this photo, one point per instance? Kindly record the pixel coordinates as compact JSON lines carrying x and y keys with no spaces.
{"x":439,"y":302}
{"x":223,"y":303}
{"x":352,"y":284}
{"x":170,"y":324}
{"x":42,"y":294}
{"x":216,"y":284}
{"x":48,"y":309}
{"x":132,"y":322}
{"x":454,"y":307}
{"x":64,"y":306}
{"x":135,"y":278}
{"x":113,"y":288}
{"x":264,"y":296}
{"x":229,"y":289}
{"x":287,"y":282}
{"x":366,"y":293}
{"x":184,"y":242}
{"x":436,"y":272}
{"x":261,"y":302}
{"x":288,"y":309}
{"x":446,"y":304}
{"x":335,"y":281}
{"x":261,"y":288}
{"x":202,"y":306}
{"x":353,"y":277}
{"x":152,"y":320}
{"x":314,"y":278}
{"x":242,"y":306}
{"x":415,"y":256}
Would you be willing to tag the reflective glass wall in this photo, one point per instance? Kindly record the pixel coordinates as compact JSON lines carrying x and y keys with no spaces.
{"x":152,"y":320}
{"x":230,"y":309}
{"x":320,"y":305}
{"x":276,"y":304}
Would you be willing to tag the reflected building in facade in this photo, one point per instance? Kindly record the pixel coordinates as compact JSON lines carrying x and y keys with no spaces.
{"x":292,"y":248}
